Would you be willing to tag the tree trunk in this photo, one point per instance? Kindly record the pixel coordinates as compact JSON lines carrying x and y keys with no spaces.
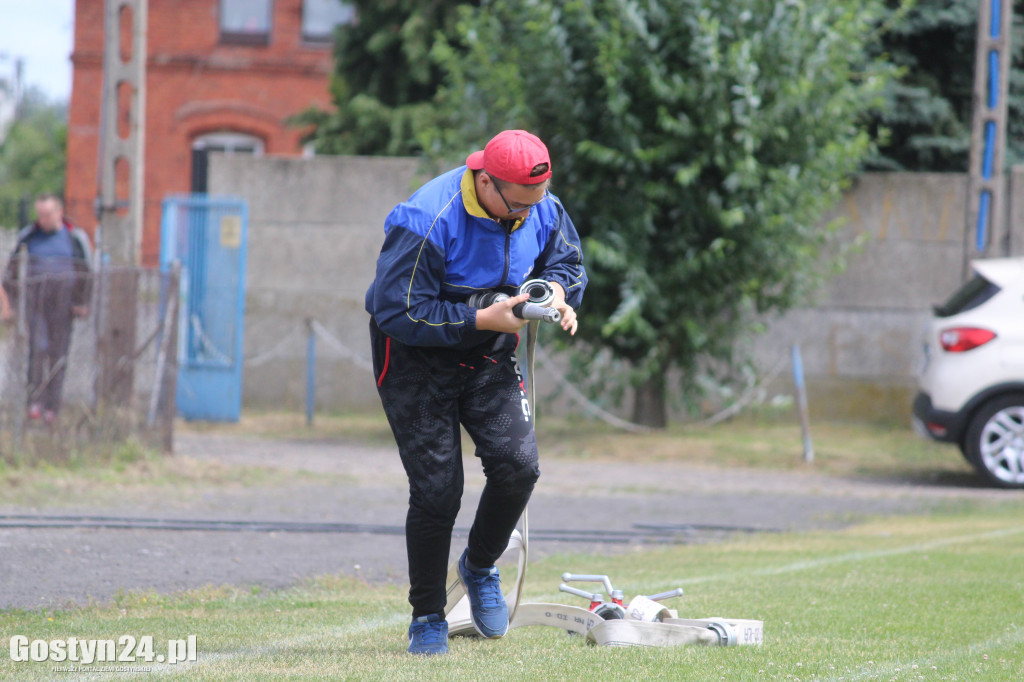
{"x":649,"y":405}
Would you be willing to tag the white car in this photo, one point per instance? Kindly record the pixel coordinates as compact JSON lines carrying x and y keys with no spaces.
{"x":972,"y":380}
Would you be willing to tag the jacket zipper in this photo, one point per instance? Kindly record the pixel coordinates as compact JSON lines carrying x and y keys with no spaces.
{"x":508,"y":241}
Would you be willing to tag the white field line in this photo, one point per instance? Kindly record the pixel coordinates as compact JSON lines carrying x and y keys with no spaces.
{"x":924,"y":665}
{"x":852,"y":557}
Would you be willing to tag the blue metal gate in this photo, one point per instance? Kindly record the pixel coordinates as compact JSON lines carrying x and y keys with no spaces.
{"x":207,"y":236}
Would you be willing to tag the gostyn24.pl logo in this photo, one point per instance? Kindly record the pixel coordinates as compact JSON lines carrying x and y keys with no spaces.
{"x":125,"y":649}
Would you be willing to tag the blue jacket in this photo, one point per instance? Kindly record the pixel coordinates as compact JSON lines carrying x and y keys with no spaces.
{"x":440,"y":247}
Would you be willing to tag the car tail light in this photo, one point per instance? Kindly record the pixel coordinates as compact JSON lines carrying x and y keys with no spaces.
{"x":960,"y":339}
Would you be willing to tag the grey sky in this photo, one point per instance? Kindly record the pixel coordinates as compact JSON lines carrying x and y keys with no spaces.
{"x":41,"y":33}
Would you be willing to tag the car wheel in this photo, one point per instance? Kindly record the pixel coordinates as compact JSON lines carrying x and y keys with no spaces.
{"x":994,"y":443}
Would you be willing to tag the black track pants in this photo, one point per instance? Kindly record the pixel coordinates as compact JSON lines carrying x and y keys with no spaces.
{"x":427,"y":393}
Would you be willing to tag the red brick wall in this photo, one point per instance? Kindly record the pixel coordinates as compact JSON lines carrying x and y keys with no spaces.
{"x":195,"y":85}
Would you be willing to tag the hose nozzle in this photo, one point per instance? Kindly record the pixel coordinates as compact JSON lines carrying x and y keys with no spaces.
{"x":536,"y":308}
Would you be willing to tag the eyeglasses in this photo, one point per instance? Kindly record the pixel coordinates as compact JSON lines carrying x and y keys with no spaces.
{"x":509,"y":206}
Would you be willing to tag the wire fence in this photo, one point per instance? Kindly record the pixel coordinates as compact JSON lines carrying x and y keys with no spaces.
{"x":318,"y":341}
{"x":87,"y":359}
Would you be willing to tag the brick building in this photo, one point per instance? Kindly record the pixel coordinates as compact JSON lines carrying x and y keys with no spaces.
{"x":222,"y":75}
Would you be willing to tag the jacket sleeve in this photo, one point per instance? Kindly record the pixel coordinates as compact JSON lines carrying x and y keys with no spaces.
{"x":10,"y":275}
{"x":82,"y":293}
{"x":405,"y":297}
{"x":561,"y":260}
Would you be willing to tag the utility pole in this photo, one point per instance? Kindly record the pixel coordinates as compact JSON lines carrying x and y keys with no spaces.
{"x":121,"y":166}
{"x":986,"y":232}
{"x":122,"y":132}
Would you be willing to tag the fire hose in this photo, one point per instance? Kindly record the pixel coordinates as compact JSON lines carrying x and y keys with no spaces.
{"x":644,"y":621}
{"x":536,"y":308}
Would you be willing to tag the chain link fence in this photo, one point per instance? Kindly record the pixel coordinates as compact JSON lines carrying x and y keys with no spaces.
{"x":77,"y":372}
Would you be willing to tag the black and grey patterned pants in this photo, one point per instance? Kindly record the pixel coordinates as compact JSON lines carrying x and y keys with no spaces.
{"x":427,"y":393}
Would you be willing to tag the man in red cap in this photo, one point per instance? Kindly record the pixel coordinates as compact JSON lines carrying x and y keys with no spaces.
{"x":439,"y":362}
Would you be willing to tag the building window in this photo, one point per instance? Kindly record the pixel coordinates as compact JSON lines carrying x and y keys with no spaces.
{"x":225,"y":143}
{"x":321,"y":17}
{"x":246,"y":21}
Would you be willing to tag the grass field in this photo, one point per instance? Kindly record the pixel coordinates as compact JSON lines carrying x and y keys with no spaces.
{"x":909,"y":598}
{"x":902,"y":598}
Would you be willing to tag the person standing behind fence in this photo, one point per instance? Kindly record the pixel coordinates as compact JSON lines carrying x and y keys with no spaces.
{"x":57,"y":289}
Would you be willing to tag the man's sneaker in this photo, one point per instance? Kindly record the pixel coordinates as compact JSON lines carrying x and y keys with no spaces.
{"x":428,"y":635}
{"x":486,"y":602}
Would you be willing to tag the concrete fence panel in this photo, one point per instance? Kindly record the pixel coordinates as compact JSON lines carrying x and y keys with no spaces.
{"x":316,"y":226}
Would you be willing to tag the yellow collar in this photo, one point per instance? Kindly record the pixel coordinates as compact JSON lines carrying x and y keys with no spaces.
{"x":472,"y":204}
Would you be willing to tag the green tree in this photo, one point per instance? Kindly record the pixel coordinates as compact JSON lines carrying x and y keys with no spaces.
{"x":384,"y":80}
{"x":696,"y":143}
{"x":928,"y":113}
{"x":32,"y":155}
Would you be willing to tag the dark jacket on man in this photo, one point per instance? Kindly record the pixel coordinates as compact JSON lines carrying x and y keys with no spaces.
{"x":80,"y":265}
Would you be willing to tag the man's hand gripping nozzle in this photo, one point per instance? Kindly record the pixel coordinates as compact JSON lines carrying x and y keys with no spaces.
{"x":536,"y":308}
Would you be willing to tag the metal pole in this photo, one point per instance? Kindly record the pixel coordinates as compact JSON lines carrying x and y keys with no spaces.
{"x":21,"y":352}
{"x":801,"y":397}
{"x":169,"y":313}
{"x":310,"y":371}
{"x":23,"y":217}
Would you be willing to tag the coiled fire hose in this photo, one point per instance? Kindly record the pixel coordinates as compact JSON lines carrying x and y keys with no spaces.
{"x":641,"y":622}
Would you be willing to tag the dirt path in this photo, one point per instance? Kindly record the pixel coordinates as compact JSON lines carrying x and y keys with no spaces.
{"x":356,"y":484}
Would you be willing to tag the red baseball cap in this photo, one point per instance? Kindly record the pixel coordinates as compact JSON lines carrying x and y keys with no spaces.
{"x":514,"y":156}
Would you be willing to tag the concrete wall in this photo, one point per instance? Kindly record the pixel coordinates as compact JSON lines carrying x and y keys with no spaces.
{"x":861,"y":340}
{"x":316,"y":227}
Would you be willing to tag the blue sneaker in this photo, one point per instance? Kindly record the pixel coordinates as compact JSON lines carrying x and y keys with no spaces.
{"x":486,"y":602}
{"x":428,"y":635}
